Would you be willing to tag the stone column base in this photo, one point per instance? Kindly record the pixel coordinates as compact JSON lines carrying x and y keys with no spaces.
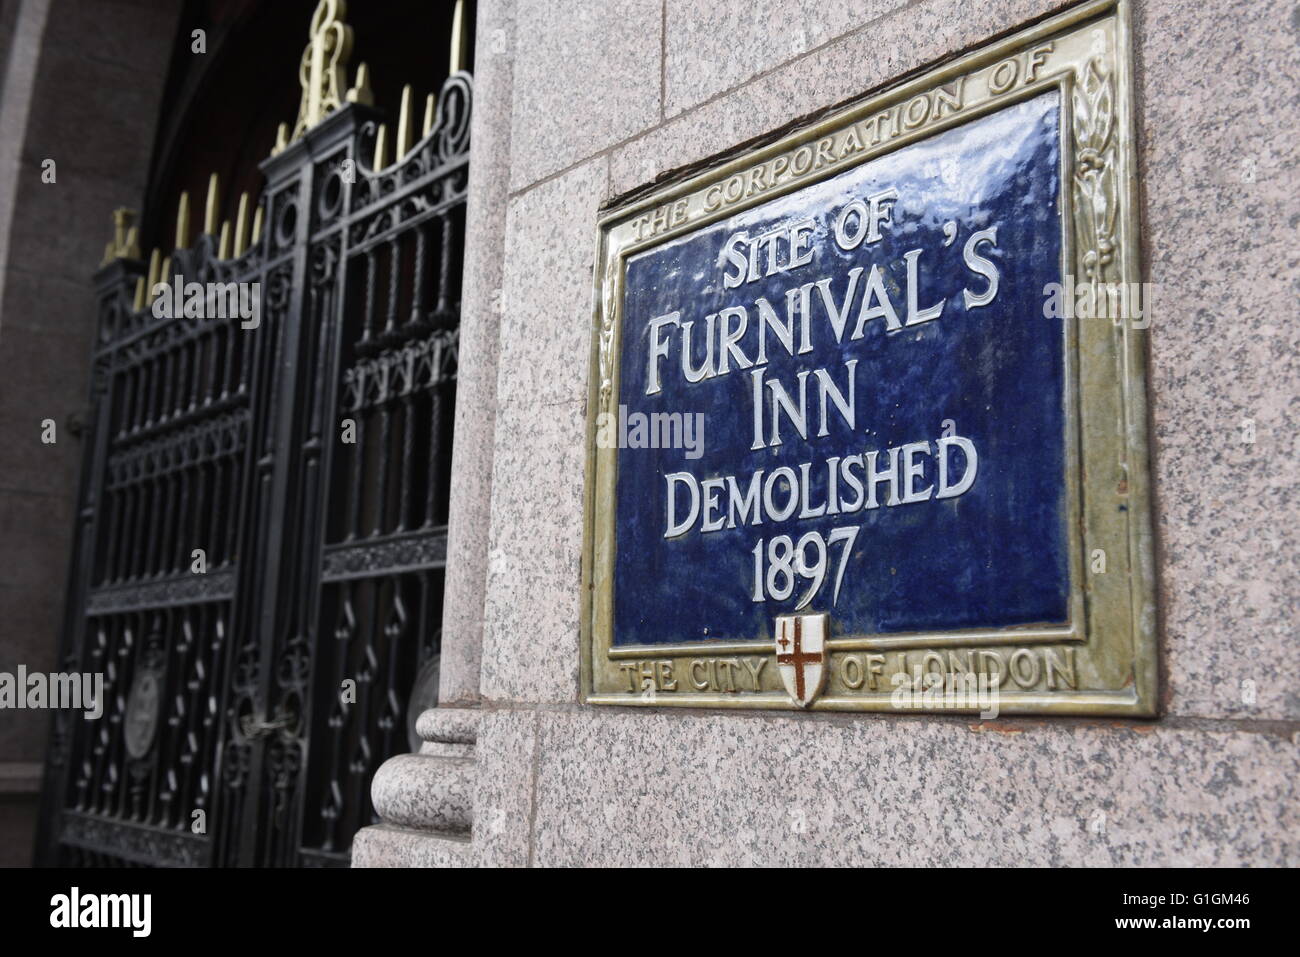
{"x":425,"y":799}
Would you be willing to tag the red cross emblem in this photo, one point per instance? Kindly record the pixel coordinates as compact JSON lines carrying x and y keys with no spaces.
{"x":801,"y":656}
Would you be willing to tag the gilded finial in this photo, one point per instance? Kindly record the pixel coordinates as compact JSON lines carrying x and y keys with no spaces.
{"x":361,"y":92}
{"x":381,"y":147}
{"x":223,"y":243}
{"x":257,"y":225}
{"x":281,"y":139}
{"x":124,"y":244}
{"x":402,"y":145}
{"x":165,"y":274}
{"x":212,"y":209}
{"x":322,"y":70}
{"x":183,"y":222}
{"x":140,"y":292}
{"x":459,"y":39}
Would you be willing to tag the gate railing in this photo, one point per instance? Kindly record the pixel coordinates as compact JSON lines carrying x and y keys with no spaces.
{"x":261,"y":534}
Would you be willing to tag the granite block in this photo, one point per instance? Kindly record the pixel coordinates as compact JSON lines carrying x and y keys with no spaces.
{"x":386,"y":846}
{"x":503,"y":802}
{"x":546,"y":319}
{"x":476,"y":378}
{"x":714,"y":45}
{"x":853,"y":65}
{"x":700,"y":790}
{"x":530,"y":638}
{"x":1225,"y":350}
{"x":530,"y":632}
{"x":587,"y":75}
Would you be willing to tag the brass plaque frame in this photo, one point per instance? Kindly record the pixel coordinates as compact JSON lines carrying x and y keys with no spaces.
{"x":1104,"y":662}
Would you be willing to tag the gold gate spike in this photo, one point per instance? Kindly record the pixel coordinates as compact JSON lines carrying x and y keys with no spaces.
{"x":155,"y":270}
{"x":183,"y":222}
{"x":430,"y":111}
{"x":361,"y":92}
{"x":212,"y":209}
{"x":459,"y":39}
{"x":402,"y":146}
{"x":241,"y":226}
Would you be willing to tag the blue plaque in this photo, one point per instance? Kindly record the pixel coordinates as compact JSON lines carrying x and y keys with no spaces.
{"x":910,"y":324}
{"x":845,"y":436}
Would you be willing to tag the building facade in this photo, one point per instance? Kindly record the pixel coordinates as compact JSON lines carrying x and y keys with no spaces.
{"x":581,"y":113}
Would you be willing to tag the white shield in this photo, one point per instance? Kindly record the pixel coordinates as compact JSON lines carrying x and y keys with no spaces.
{"x":801,"y":656}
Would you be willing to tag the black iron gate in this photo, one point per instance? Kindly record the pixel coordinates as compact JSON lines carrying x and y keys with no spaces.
{"x":262,"y":526}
